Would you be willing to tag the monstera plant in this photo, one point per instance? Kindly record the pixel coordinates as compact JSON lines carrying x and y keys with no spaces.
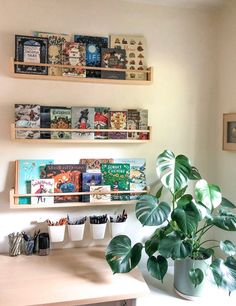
{"x":182,"y":224}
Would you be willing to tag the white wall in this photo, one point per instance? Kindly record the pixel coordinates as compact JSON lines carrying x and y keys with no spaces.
{"x":181,"y":48}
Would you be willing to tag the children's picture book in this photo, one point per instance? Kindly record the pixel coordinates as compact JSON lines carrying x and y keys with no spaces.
{"x":143,"y":124}
{"x":31,"y":49}
{"x":39,"y":186}
{"x":93,"y":52}
{"x":26,"y":171}
{"x":117,"y":175}
{"x":135,"y":47}
{"x":117,"y":121}
{"x":74,"y":55}
{"x":60,"y":119}
{"x":137,"y":174}
{"x":94,"y":165}
{"x":101,"y":121}
{"x":27,"y":115}
{"x":67,"y":178}
{"x":56,"y":42}
{"x":101,"y":194}
{"x":82,"y":118}
{"x":133,"y":118}
{"x":113,"y":58}
{"x":90,"y":179}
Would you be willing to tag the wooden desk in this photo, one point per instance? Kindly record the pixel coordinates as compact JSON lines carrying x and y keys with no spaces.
{"x":78,"y":276}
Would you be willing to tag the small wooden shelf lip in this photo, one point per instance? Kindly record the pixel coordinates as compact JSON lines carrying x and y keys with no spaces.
{"x":148,"y":72}
{"x":14,"y":196}
{"x":51,"y":140}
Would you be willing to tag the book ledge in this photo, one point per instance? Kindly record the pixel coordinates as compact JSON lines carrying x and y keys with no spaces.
{"x":128,"y":140}
{"x":14,"y":203}
{"x":12,"y":63}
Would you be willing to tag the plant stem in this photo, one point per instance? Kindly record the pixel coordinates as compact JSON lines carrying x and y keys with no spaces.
{"x":208,"y":241}
{"x":203,"y":231}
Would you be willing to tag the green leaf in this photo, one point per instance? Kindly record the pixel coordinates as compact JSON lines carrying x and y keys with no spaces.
{"x":227,"y":204}
{"x":157,"y":267}
{"x":184,"y":200}
{"x":226,"y":221}
{"x":194,"y":174}
{"x":173,"y":246}
{"x":180,"y":193}
{"x":158,"y":194}
{"x":149,"y":212}
{"x":207,"y":194}
{"x":121,"y":256}
{"x":224,"y":273}
{"x":151,"y":245}
{"x":173,"y":171}
{"x":196,"y":276}
{"x":228,"y":247}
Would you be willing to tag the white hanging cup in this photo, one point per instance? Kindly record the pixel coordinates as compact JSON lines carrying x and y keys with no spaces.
{"x":56,"y":233}
{"x":76,"y":231}
{"x":117,"y":228}
{"x":98,"y":230}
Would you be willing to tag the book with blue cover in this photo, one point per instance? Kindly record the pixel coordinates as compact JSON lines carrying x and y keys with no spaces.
{"x":88,"y":180}
{"x":93,"y":52}
{"x":26,"y":171}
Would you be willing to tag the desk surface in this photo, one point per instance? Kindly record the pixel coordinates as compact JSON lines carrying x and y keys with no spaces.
{"x":66,"y":277}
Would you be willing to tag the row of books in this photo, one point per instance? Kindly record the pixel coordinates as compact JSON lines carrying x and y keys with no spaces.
{"x":100,"y":118}
{"x":90,"y":175}
{"x":119,"y":51}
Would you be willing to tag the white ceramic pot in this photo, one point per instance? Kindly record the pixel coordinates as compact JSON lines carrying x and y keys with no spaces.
{"x":76,"y":231}
{"x":98,"y":230}
{"x":56,"y":233}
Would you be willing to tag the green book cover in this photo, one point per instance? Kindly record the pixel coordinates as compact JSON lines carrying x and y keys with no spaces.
{"x":117,"y":175}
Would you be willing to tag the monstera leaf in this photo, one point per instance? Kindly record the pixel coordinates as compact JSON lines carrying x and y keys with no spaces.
{"x":196,"y":276}
{"x":157,"y":266}
{"x":225,"y":220}
{"x":150,"y":212}
{"x":173,"y":171}
{"x":121,"y":256}
{"x":228,"y":247}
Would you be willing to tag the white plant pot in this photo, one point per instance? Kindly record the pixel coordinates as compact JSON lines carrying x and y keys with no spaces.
{"x":56,"y":233}
{"x":98,"y":230}
{"x":117,"y":228}
{"x":76,"y":231}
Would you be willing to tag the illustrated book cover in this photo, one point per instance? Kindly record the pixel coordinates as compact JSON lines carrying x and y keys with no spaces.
{"x":93,"y":52}
{"x":133,"y":119}
{"x":143,"y":124}
{"x":82,"y":118}
{"x":117,"y":175}
{"x":74,"y":55}
{"x":113,"y":58}
{"x":56,"y":42}
{"x":90,"y":179}
{"x":31,"y":49}
{"x":67,"y":178}
{"x":135,"y":47}
{"x":117,"y":121}
{"x":137,"y":174}
{"x":60,"y":119}
{"x":27,"y":115}
{"x":26,"y":171}
{"x":93,"y":164}
{"x":39,"y":186}
{"x":101,"y":194}
{"x":101,"y":121}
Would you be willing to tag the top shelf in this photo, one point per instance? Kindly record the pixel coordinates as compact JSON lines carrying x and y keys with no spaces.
{"x":12,"y":63}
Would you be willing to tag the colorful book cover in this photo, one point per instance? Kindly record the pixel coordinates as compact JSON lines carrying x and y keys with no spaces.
{"x":113,"y":58}
{"x":135,"y":47}
{"x":74,"y":55}
{"x":143,"y":124}
{"x":137,"y":174}
{"x":56,"y":42}
{"x":31,"y":49}
{"x":27,"y":115}
{"x":26,"y":171}
{"x":94,"y":165}
{"x":101,"y":193}
{"x":117,"y":175}
{"x":60,"y":119}
{"x":82,"y":118}
{"x":133,"y":118}
{"x":93,"y":52}
{"x":67,"y":178}
{"x":101,"y":121}
{"x":39,"y":186}
{"x":90,"y":179}
{"x":118,"y":121}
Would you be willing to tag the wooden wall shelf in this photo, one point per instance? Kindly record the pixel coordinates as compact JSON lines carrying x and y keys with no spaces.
{"x":101,"y":141}
{"x":14,"y":203}
{"x":148,"y":72}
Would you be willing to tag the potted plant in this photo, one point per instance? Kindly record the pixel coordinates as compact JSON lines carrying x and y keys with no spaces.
{"x":182,"y":227}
